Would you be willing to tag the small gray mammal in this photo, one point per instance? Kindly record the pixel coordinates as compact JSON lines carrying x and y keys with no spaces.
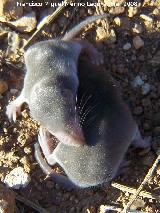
{"x":51,"y":83}
{"x":108,"y":128}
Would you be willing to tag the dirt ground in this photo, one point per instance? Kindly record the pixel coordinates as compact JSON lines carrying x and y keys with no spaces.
{"x":131,"y":47}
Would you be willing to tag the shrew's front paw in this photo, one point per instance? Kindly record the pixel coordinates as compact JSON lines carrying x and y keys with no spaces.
{"x":13,"y":110}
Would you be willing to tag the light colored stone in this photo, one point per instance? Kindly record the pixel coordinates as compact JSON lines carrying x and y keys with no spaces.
{"x":156,"y":12}
{"x":104,"y":35}
{"x":137,"y":82}
{"x":3,"y":86}
{"x":146,"y":18}
{"x":13,"y":91}
{"x":146,"y":88}
{"x":138,"y":42}
{"x":127,"y":46}
{"x":117,"y":21}
{"x":17,"y":178}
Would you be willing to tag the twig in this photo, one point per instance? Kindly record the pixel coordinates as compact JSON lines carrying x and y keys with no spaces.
{"x":30,"y":204}
{"x":46,"y":22}
{"x":146,"y":179}
{"x":131,"y":190}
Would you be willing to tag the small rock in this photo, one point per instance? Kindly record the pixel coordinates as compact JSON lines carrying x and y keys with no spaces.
{"x":138,"y":203}
{"x":137,"y":28}
{"x":146,"y":18}
{"x":104,"y":35}
{"x":90,"y":11}
{"x":26,"y":23}
{"x":146,"y":88}
{"x":17,"y":178}
{"x":138,"y":110}
{"x":9,"y":9}
{"x":137,"y":82}
{"x":13,"y":91}
{"x":3,"y":86}
{"x":156,"y":13}
{"x":27,"y":150}
{"x":138,"y":42}
{"x":127,"y":46}
{"x":117,"y":21}
{"x":7,"y":200}
{"x":132,"y":11}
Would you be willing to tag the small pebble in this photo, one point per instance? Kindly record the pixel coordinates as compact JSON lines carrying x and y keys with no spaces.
{"x":146,"y":18}
{"x":104,"y":35}
{"x":117,"y":21}
{"x":27,"y":150}
{"x":138,"y":42}
{"x":137,"y":82}
{"x":13,"y":91}
{"x":101,"y":33}
{"x":3,"y":86}
{"x":146,"y":88}
{"x":127,"y":46}
{"x":17,"y":178}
